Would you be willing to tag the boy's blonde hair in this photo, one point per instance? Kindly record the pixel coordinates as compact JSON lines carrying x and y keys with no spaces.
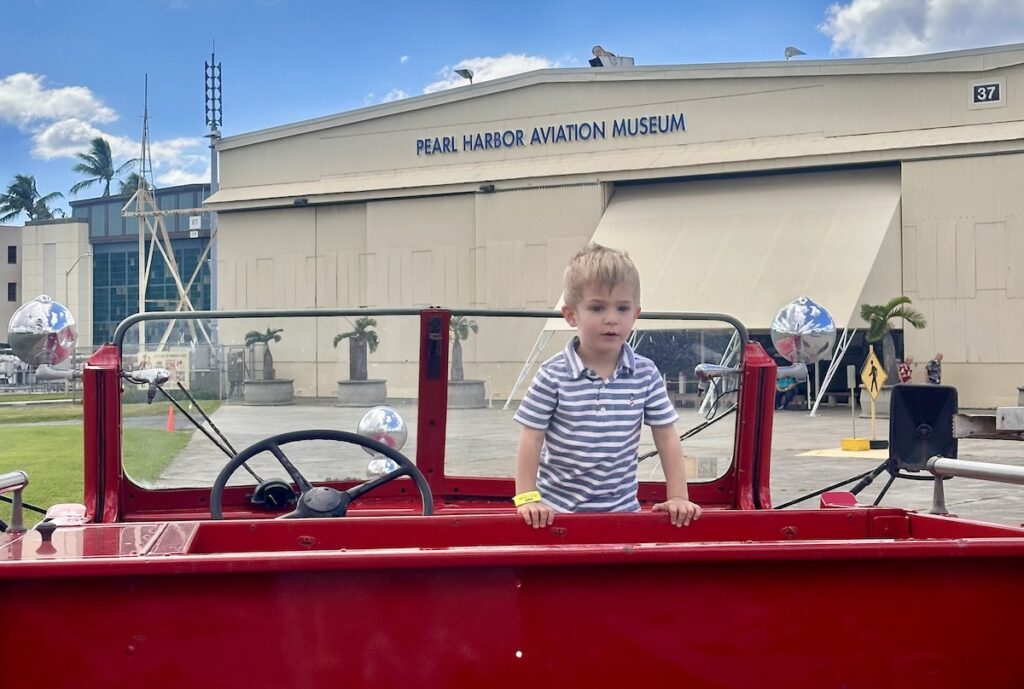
{"x":600,"y":266}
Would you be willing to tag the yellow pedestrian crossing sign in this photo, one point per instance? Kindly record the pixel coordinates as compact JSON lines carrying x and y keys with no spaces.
{"x":873,"y":374}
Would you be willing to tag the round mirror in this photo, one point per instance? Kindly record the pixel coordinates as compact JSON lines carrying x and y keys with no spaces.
{"x":804,"y":332}
{"x":42,"y":331}
{"x":386,"y":426}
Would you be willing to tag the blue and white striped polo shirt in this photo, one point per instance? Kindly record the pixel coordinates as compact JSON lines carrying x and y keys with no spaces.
{"x":592,"y":429}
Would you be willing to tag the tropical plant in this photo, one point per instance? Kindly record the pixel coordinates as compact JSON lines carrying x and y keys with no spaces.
{"x":131,"y":184}
{"x":42,"y":211}
{"x":254,"y":337}
{"x":23,"y":197}
{"x":460,"y":327}
{"x":361,"y":337}
{"x":879,"y":317}
{"x":98,"y":165}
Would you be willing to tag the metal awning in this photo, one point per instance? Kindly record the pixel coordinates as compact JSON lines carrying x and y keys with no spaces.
{"x":747,"y":246}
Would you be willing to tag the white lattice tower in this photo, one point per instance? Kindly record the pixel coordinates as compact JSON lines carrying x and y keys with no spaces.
{"x":153,"y":237}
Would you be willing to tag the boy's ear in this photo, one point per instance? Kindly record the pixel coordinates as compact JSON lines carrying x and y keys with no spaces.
{"x":569,"y":314}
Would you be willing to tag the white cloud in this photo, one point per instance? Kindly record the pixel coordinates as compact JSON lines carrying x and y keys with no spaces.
{"x":25,"y":100}
{"x":372,"y":98}
{"x":65,"y":138}
{"x":177,"y":176}
{"x":176,"y":151}
{"x":62,"y":122}
{"x":402,"y":60}
{"x":875,"y":28}
{"x":487,"y":68}
{"x":393,"y":95}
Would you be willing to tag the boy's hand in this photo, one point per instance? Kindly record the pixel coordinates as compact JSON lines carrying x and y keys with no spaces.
{"x":536,"y":514}
{"x":680,"y":510}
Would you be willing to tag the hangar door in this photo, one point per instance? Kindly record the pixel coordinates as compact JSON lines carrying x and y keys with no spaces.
{"x":747,"y":246}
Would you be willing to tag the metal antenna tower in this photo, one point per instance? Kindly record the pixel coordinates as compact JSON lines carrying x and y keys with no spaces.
{"x":214,"y":120}
{"x":152,"y":228}
{"x":214,"y":113}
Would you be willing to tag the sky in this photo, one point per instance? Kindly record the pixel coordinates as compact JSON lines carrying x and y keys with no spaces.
{"x":72,"y":70}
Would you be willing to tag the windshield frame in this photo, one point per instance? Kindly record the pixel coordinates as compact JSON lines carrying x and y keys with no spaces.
{"x":432,"y":416}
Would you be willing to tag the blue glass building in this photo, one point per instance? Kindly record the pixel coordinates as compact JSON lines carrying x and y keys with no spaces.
{"x":115,"y":249}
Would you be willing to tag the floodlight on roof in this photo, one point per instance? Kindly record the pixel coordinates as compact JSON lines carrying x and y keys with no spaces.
{"x":465,"y":74}
{"x":792,"y":51}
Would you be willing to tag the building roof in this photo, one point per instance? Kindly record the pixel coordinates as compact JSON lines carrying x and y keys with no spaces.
{"x":160,"y":191}
{"x":974,"y":60}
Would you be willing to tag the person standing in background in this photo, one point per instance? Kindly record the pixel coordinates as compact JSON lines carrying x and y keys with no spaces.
{"x":906,"y":369}
{"x":934,"y":370}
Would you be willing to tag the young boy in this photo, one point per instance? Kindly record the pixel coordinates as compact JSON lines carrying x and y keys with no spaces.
{"x":585,"y":407}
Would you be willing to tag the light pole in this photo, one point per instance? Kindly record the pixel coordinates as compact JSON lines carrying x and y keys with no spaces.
{"x":67,"y":274}
{"x":67,"y":298}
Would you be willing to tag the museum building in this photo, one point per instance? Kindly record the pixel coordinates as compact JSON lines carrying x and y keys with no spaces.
{"x":735,"y":187}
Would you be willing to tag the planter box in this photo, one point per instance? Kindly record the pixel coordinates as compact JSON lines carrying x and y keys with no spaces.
{"x":269,"y":393}
{"x":466,"y":394}
{"x":362,"y":393}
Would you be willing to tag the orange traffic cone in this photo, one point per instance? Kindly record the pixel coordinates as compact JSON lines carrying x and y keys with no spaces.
{"x":170,"y":419}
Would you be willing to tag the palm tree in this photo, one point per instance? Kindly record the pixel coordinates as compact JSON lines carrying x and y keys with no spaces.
{"x":879,"y":328}
{"x":256,"y":337}
{"x":42,"y":211}
{"x":460,"y":327}
{"x":98,"y":164}
{"x":23,"y":197}
{"x":131,"y":184}
{"x":359,"y":338}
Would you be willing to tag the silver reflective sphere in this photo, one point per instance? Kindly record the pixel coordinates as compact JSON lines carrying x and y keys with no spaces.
{"x":386,"y":426}
{"x":804,"y":332}
{"x":378,"y":466}
{"x":42,"y":331}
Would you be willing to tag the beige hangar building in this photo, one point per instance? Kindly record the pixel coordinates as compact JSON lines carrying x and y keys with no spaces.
{"x":736,"y":188}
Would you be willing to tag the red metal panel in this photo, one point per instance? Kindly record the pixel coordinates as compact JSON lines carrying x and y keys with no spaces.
{"x":433,"y":398}
{"x":754,"y":430}
{"x":101,"y":417}
{"x":696,"y":623}
{"x":496,"y":540}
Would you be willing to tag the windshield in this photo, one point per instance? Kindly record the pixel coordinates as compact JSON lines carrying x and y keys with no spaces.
{"x":246,"y":379}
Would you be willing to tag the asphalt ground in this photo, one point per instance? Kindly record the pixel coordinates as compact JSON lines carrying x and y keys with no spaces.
{"x":481,"y":442}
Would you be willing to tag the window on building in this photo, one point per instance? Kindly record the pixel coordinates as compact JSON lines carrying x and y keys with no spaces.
{"x":12,"y":254}
{"x":12,"y":291}
{"x":115,"y":226}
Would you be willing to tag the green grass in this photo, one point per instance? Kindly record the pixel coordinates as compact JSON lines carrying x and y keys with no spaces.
{"x":41,"y":413}
{"x":146,"y":452}
{"x":70,"y":412}
{"x":53,"y":461}
{"x":52,"y":458}
{"x":35,"y":396}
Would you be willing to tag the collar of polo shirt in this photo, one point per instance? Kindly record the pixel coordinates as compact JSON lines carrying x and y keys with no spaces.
{"x":627,"y":361}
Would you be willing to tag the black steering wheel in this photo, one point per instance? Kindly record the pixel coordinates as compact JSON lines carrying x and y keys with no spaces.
{"x":321,"y":501}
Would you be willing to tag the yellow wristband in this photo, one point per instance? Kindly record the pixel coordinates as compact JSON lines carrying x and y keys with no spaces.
{"x":527,"y":497}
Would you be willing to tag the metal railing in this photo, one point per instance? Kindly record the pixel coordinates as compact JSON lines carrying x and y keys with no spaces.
{"x":15,"y":481}
{"x":986,"y":471}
